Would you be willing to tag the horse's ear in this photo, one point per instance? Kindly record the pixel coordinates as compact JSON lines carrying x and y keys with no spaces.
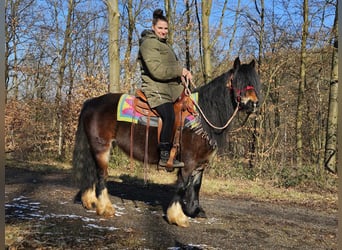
{"x":237,"y":63}
{"x":252,"y":63}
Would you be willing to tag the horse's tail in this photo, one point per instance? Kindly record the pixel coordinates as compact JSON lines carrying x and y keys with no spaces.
{"x":84,"y":166}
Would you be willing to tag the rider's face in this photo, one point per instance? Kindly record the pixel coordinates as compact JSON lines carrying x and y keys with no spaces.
{"x":161,"y":29}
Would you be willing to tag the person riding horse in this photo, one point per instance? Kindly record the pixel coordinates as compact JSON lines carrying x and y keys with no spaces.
{"x":161,"y":74}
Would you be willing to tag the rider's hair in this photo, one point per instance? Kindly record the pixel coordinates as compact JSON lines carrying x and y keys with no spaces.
{"x":158,"y":15}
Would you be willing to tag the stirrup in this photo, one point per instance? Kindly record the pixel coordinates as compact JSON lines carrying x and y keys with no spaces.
{"x":176,"y":164}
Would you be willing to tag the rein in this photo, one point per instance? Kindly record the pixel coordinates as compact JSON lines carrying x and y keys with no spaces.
{"x":188,"y":93}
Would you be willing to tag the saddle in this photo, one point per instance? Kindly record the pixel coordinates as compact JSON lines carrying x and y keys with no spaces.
{"x":183,"y":107}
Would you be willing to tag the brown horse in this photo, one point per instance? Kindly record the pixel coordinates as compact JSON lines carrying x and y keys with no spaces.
{"x":98,"y":130}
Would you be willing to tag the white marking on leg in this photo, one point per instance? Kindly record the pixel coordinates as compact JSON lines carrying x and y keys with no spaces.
{"x":89,"y":200}
{"x":104,"y":205}
{"x":175,"y":215}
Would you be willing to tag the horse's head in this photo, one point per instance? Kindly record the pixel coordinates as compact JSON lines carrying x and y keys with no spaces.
{"x":245,"y":84}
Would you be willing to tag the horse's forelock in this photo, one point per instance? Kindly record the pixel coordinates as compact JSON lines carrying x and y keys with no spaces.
{"x":245,"y":76}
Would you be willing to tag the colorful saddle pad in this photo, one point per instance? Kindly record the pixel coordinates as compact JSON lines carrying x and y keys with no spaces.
{"x":126,"y":112}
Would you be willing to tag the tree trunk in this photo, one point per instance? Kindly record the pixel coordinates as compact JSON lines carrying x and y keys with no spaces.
{"x":62,"y":65}
{"x":232,"y":38}
{"x":301,"y":87}
{"x":168,"y":10}
{"x":114,"y":53}
{"x":199,"y":25}
{"x":262,"y":28}
{"x":188,"y":29}
{"x":206,"y":9}
{"x":127,"y":64}
{"x":12,"y":36}
{"x":331,"y":133}
{"x":256,"y":126}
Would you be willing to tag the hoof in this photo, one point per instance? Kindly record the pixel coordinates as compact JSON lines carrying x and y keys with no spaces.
{"x":109,"y":211}
{"x":176,"y":216}
{"x":89,"y":205}
{"x":201,"y":214}
{"x":104,"y":206}
{"x":88,"y":199}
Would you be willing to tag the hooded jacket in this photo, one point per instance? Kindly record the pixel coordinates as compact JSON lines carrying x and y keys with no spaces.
{"x":160,"y":70}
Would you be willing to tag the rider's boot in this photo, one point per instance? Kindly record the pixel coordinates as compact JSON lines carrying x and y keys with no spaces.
{"x":165,"y":155}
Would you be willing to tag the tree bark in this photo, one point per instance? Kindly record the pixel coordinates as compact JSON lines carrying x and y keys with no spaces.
{"x":168,"y":10}
{"x":301,"y":87}
{"x":231,"y":41}
{"x":188,"y":29}
{"x":206,"y":9}
{"x":62,"y":65}
{"x":127,"y":64}
{"x":331,"y":133}
{"x":256,"y":126}
{"x":114,"y":52}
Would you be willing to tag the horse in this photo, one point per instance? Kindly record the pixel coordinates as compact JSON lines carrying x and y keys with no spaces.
{"x":99,"y":130}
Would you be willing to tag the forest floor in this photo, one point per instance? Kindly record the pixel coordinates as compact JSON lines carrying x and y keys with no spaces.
{"x":40,"y":213}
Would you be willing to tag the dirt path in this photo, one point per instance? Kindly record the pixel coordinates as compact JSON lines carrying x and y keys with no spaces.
{"x":41,"y":214}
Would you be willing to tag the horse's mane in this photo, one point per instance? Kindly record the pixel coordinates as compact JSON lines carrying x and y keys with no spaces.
{"x":215,"y":100}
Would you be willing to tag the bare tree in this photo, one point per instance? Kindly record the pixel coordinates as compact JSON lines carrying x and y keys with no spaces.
{"x":168,"y":9}
{"x":128,"y":52}
{"x":232,"y":38}
{"x":331,"y":133}
{"x":261,"y":12}
{"x":16,"y":20}
{"x":63,"y":62}
{"x":301,"y":86}
{"x":114,"y":46}
{"x":206,"y":9}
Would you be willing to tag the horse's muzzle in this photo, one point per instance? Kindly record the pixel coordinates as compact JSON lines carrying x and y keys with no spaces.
{"x":250,"y":102}
{"x":250,"y":107}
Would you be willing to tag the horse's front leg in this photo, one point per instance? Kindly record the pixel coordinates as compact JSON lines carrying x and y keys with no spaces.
{"x":191,"y":197}
{"x":174,"y":213}
{"x":187,"y":198}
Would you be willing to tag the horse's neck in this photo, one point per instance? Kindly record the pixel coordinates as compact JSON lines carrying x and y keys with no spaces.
{"x":220,"y":103}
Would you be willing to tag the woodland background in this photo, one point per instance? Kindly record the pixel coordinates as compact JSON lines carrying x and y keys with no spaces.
{"x":60,"y":53}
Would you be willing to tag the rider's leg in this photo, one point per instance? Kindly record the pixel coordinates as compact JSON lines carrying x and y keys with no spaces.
{"x":167,"y":115}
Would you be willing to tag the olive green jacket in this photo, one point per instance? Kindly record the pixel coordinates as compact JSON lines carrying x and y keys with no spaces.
{"x":160,"y":70}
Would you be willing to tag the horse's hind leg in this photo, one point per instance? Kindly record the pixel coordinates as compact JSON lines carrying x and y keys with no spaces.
{"x":104,"y":206}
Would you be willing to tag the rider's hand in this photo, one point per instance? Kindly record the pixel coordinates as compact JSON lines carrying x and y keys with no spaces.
{"x":187,"y":74}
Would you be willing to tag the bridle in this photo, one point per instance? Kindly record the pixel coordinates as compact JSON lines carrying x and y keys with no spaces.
{"x":239,"y":91}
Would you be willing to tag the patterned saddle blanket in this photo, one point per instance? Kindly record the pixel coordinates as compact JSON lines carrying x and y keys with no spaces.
{"x":127,"y":113}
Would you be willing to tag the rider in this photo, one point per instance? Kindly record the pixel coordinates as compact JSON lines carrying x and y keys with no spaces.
{"x":161,"y":74}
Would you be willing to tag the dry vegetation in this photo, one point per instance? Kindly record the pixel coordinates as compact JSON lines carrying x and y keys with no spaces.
{"x":45,"y":94}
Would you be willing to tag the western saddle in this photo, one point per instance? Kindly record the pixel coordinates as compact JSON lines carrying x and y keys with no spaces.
{"x":183,"y":107}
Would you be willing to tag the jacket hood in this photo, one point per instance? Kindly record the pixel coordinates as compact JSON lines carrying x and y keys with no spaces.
{"x":150,"y":34}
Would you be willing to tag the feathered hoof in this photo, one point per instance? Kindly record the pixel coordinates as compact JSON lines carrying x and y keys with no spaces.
{"x":176,"y":216}
{"x":107,"y":211}
{"x":88,"y":199}
{"x":89,"y":205}
{"x":104,"y":205}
